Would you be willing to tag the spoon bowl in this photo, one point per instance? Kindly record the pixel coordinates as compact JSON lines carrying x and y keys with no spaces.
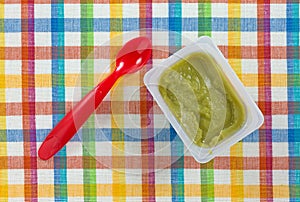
{"x":133,"y":55}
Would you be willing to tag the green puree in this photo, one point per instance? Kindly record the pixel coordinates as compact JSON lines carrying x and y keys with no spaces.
{"x":187,"y":91}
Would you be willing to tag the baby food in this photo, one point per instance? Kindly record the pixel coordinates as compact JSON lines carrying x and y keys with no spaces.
{"x":187,"y":89}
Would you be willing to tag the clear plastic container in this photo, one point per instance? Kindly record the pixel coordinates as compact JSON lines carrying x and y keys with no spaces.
{"x":253,"y":116}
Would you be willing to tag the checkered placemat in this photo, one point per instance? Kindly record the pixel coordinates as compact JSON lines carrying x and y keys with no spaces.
{"x":47,"y":51}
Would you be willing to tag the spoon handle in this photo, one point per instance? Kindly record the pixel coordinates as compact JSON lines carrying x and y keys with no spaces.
{"x":75,"y":118}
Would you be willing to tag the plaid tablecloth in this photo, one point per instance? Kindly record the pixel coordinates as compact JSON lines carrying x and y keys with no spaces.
{"x":44,"y":46}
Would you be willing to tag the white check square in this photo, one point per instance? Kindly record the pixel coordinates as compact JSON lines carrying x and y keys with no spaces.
{"x":14,"y":122}
{"x":42,"y":38}
{"x":101,"y":11}
{"x":280,"y":177}
{"x":102,"y":198}
{"x":164,"y":198}
{"x":132,"y":121}
{"x":102,"y":66}
{"x":69,"y":94}
{"x":103,"y":149}
{"x":220,"y":38}
{"x":279,"y":94}
{"x":136,"y":178}
{"x":157,"y":61}
{"x":72,"y":39}
{"x":134,"y":199}
{"x":188,"y":37}
{"x":131,"y":93}
{"x":43,"y":66}
{"x":223,"y":199}
{"x":15,"y":176}
{"x":225,"y":153}
{"x":74,"y":148}
{"x":278,"y":11}
{"x":75,"y":176}
{"x":248,"y":11}
{"x":15,"y":148}
{"x":279,"y":66}
{"x":160,"y":10}
{"x":73,"y":199}
{"x":192,"y":176}
{"x":72,"y":66}
{"x":43,"y":94}
{"x":12,"y":199}
{"x":101,"y":38}
{"x":160,"y":38}
{"x":281,"y":199}
{"x":251,"y":199}
{"x":222,"y":176}
{"x":251,"y":177}
{"x":162,"y":148}
{"x":133,"y":148}
{"x":249,"y":38}
{"x":13,"y":40}
{"x":72,"y":10}
{"x":189,"y":10}
{"x":104,"y":176}
{"x":250,"y":149}
{"x":12,"y":11}
{"x":13,"y":95}
{"x":131,"y":10}
{"x":160,"y":121}
{"x":43,"y":121}
{"x":45,"y":176}
{"x":249,"y":66}
{"x":13,"y":67}
{"x":196,"y":199}
{"x":280,"y":149}
{"x":103,"y":120}
{"x":42,"y":10}
{"x":219,"y":10}
{"x":163,"y":176}
{"x":278,"y":38}
{"x":280,"y":121}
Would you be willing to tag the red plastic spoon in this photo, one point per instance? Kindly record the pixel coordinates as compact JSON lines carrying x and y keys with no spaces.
{"x":131,"y":58}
